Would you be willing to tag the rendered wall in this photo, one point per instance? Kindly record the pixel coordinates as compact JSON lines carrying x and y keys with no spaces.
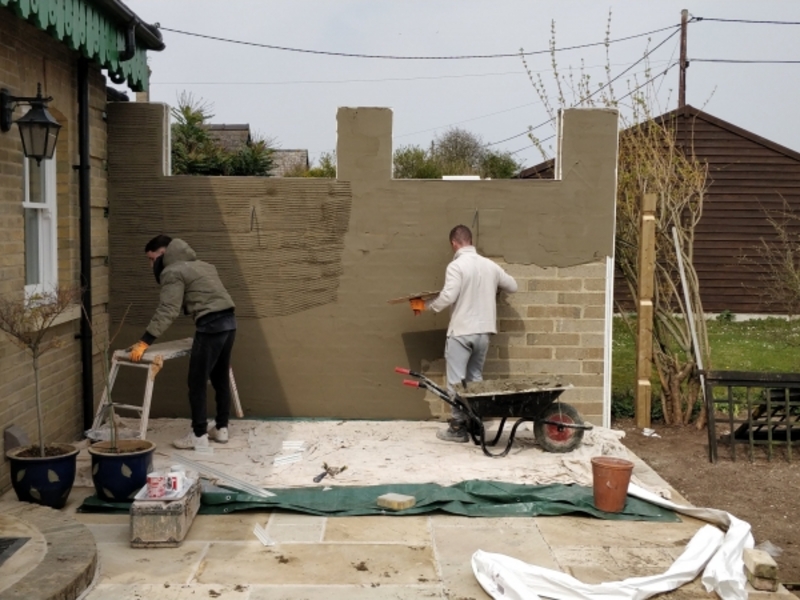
{"x":312,"y":263}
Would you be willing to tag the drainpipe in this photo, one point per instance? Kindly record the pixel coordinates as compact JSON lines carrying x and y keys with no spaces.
{"x":84,"y":198}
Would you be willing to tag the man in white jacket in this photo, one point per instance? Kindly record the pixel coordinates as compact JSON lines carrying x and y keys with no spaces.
{"x":471,"y":285}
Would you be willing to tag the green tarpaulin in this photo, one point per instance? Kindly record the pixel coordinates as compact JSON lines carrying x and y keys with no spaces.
{"x":476,"y":498}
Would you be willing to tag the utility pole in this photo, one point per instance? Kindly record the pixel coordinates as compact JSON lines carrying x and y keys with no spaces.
{"x":683,"y":62}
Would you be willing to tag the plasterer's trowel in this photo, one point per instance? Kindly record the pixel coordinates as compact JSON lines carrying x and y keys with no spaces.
{"x":417,"y":301}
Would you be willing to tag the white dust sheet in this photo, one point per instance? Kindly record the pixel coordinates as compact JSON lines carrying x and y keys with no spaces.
{"x":380,"y":452}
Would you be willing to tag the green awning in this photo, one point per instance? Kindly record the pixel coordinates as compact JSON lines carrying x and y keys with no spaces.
{"x":97,"y":29}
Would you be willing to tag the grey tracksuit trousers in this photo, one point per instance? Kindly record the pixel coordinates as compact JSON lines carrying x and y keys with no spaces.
{"x":465,"y":356}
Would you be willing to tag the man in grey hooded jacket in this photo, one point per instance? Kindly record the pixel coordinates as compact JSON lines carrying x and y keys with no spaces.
{"x":194,"y":286}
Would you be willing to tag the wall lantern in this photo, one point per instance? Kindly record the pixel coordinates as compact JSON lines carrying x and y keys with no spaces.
{"x":37,"y":128}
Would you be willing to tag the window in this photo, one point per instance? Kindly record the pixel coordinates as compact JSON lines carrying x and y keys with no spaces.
{"x":41,"y":225}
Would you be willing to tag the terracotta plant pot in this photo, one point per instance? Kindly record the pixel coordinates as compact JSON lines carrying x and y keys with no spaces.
{"x":47,"y":481}
{"x":119,"y":476}
{"x":611,"y":477}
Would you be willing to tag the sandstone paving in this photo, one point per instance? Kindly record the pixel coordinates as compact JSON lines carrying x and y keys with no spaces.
{"x":319,"y":563}
{"x":408,"y":530}
{"x":456,"y":541}
{"x":119,"y":563}
{"x":573,"y":531}
{"x":235,"y":527}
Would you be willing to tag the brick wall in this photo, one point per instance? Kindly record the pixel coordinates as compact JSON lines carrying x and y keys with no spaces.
{"x":553,"y":325}
{"x":28,"y":56}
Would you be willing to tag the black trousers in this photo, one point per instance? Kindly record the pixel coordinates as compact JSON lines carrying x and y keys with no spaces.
{"x":210,"y":359}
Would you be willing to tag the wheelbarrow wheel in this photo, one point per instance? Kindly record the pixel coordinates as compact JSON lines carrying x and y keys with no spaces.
{"x":554,"y":438}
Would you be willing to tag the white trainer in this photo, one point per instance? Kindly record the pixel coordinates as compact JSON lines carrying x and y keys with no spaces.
{"x":191,"y":441}
{"x":219,"y":435}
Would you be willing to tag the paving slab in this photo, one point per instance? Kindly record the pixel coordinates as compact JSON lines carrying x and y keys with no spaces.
{"x":377,"y":592}
{"x":321,"y":563}
{"x":167,"y":591}
{"x":457,"y":539}
{"x":571,"y":531}
{"x":122,"y":564}
{"x":406,"y":530}
{"x":237,"y":527}
{"x":111,"y":534}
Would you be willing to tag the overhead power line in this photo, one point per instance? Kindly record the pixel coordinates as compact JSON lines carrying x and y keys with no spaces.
{"x":398,"y":57}
{"x":746,"y":21}
{"x":600,"y":89}
{"x":751,"y":62}
{"x":633,"y":91}
{"x":379,"y":80}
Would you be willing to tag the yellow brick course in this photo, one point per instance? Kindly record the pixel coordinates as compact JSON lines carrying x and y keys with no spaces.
{"x":29,"y":56}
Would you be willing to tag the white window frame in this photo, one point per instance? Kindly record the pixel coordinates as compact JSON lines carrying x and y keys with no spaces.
{"x":48,"y":226}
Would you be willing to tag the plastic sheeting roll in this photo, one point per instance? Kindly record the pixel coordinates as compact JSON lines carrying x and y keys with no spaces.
{"x":718,"y":556}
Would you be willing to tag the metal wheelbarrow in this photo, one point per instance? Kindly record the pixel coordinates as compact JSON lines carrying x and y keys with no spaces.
{"x":557,"y":426}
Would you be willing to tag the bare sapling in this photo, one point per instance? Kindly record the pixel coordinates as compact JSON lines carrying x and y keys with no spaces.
{"x":654,"y":159}
{"x":28,"y":320}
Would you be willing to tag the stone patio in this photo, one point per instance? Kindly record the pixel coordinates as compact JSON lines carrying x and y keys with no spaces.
{"x":367,"y":557}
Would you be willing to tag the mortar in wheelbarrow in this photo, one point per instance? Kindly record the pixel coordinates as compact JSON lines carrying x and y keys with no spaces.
{"x":557,"y":426}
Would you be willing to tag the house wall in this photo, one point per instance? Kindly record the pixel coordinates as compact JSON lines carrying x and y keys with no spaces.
{"x":28,"y":56}
{"x":311,"y":264}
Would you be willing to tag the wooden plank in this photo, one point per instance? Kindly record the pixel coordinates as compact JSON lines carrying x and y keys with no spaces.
{"x":644,"y":337}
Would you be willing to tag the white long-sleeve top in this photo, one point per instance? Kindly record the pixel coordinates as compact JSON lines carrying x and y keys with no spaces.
{"x":470,"y":286}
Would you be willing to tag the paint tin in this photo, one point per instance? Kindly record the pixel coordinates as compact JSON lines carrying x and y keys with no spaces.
{"x":156,"y":485}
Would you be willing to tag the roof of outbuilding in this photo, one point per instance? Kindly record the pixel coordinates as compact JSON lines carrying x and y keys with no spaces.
{"x":687,"y":111}
{"x":230,"y":136}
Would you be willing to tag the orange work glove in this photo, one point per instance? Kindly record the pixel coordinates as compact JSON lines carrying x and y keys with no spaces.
{"x":137,"y":350}
{"x":417,"y":305}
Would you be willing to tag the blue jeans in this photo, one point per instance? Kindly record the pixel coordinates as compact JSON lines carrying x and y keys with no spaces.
{"x":465,"y":356}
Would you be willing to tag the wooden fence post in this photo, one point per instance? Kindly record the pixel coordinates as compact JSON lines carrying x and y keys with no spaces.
{"x":644,"y":337}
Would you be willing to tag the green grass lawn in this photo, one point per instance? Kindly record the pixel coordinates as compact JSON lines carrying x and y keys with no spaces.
{"x":771,"y":345}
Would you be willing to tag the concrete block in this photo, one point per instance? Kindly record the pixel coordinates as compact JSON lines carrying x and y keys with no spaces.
{"x":14,"y":437}
{"x":759,"y":564}
{"x":164,"y":524}
{"x":762,"y":583}
{"x":394,"y":501}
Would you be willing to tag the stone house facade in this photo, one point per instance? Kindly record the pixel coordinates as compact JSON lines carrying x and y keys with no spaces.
{"x":64,"y":46}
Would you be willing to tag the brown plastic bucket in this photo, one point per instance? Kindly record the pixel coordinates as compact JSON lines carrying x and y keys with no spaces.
{"x":611,"y":477}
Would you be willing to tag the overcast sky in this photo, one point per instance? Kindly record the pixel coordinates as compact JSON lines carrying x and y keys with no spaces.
{"x":293,"y":97}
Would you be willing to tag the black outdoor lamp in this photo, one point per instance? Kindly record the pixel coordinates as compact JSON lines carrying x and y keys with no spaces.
{"x":37,"y":128}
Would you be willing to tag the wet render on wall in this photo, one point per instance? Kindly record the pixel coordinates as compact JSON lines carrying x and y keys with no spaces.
{"x":312,"y":263}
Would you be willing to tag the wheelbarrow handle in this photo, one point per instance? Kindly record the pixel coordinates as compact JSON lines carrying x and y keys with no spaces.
{"x":412,"y":383}
{"x":404,"y":371}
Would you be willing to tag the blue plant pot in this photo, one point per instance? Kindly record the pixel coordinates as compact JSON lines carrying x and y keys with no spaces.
{"x":47,"y":481}
{"x":119,"y":476}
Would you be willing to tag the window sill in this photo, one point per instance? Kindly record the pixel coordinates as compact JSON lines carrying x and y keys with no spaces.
{"x":71,"y":314}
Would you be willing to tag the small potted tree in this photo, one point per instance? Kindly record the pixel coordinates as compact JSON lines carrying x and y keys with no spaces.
{"x":40,"y":473}
{"x":119,"y":467}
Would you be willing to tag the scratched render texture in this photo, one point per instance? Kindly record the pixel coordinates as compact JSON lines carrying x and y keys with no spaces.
{"x":311,"y":265}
